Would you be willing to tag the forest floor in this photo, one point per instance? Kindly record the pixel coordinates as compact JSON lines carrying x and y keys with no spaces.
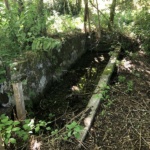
{"x":123,"y":120}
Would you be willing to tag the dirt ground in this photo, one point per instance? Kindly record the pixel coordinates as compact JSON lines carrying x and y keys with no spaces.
{"x":123,"y":120}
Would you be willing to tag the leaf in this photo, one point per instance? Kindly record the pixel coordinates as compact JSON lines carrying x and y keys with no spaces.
{"x":46,"y":45}
{"x":26,"y":127}
{"x":69,"y":134}
{"x":48,"y":128}
{"x":72,"y":125}
{"x":54,"y":132}
{"x":77,"y":135}
{"x":1,"y":126}
{"x":29,"y":33}
{"x":16,"y":129}
{"x":25,"y":137}
{"x":65,"y":138}
{"x":8,"y":130}
{"x":16,"y":123}
{"x":38,"y":45}
{"x":37,"y":129}
{"x":78,"y":128}
{"x":9,"y":122}
{"x":4,"y":120}
{"x":12,"y":140}
{"x":6,"y":141}
{"x":42,"y":123}
{"x":27,"y":121}
{"x":8,"y":135}
{"x":20,"y":133}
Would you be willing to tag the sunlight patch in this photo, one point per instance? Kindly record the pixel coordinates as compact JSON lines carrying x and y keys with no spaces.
{"x":127,"y":64}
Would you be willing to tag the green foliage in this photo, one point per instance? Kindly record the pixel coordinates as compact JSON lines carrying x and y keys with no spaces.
{"x":74,"y":130}
{"x":45,"y":44}
{"x":124,"y":21}
{"x":121,"y":79}
{"x":108,"y":102}
{"x":42,"y":124}
{"x":62,"y":24}
{"x":132,"y":19}
{"x":141,"y":28}
{"x":10,"y":130}
{"x":17,"y":30}
{"x":129,"y":86}
{"x":105,"y":91}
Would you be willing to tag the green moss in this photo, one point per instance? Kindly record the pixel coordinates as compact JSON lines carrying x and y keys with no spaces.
{"x":107,"y":71}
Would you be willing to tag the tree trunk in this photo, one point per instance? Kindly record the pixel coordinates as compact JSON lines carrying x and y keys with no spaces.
{"x":112,"y":15}
{"x":99,"y":26}
{"x":7,"y":4}
{"x":86,"y":17}
{"x":78,"y":5}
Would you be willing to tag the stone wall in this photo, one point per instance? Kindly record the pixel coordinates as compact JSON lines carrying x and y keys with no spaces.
{"x":39,"y":70}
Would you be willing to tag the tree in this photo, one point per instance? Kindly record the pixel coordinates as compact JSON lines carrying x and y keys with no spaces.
{"x":112,"y":14}
{"x":78,"y":5}
{"x":99,"y":27}
{"x":7,"y":4}
{"x":86,"y":17}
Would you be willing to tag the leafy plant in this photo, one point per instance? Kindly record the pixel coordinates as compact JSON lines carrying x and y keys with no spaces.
{"x":73,"y":129}
{"x":10,"y":129}
{"x":105,"y":91}
{"x":129,"y":86}
{"x":121,"y":79}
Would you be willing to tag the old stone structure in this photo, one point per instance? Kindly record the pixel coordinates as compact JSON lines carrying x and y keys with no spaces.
{"x":39,"y":70}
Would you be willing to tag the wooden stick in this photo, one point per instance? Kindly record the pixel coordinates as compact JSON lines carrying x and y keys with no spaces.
{"x":19,"y":98}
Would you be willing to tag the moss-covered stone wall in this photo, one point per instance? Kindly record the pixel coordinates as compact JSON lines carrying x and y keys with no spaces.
{"x":38,"y":70}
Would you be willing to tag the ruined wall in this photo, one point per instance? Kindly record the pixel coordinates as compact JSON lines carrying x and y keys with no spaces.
{"x":39,"y":70}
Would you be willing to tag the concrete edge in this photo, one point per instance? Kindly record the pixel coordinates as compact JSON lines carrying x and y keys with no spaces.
{"x":97,"y":96}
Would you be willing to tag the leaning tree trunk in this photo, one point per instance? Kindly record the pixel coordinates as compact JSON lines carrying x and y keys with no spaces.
{"x":112,"y":15}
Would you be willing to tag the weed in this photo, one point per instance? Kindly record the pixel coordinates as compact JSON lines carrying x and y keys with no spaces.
{"x":8,"y":128}
{"x":11,"y":131}
{"x":104,"y":92}
{"x":73,"y":129}
{"x":121,"y":79}
{"x":129,"y":86}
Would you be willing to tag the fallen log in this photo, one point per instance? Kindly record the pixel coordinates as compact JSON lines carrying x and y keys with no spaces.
{"x":98,"y":93}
